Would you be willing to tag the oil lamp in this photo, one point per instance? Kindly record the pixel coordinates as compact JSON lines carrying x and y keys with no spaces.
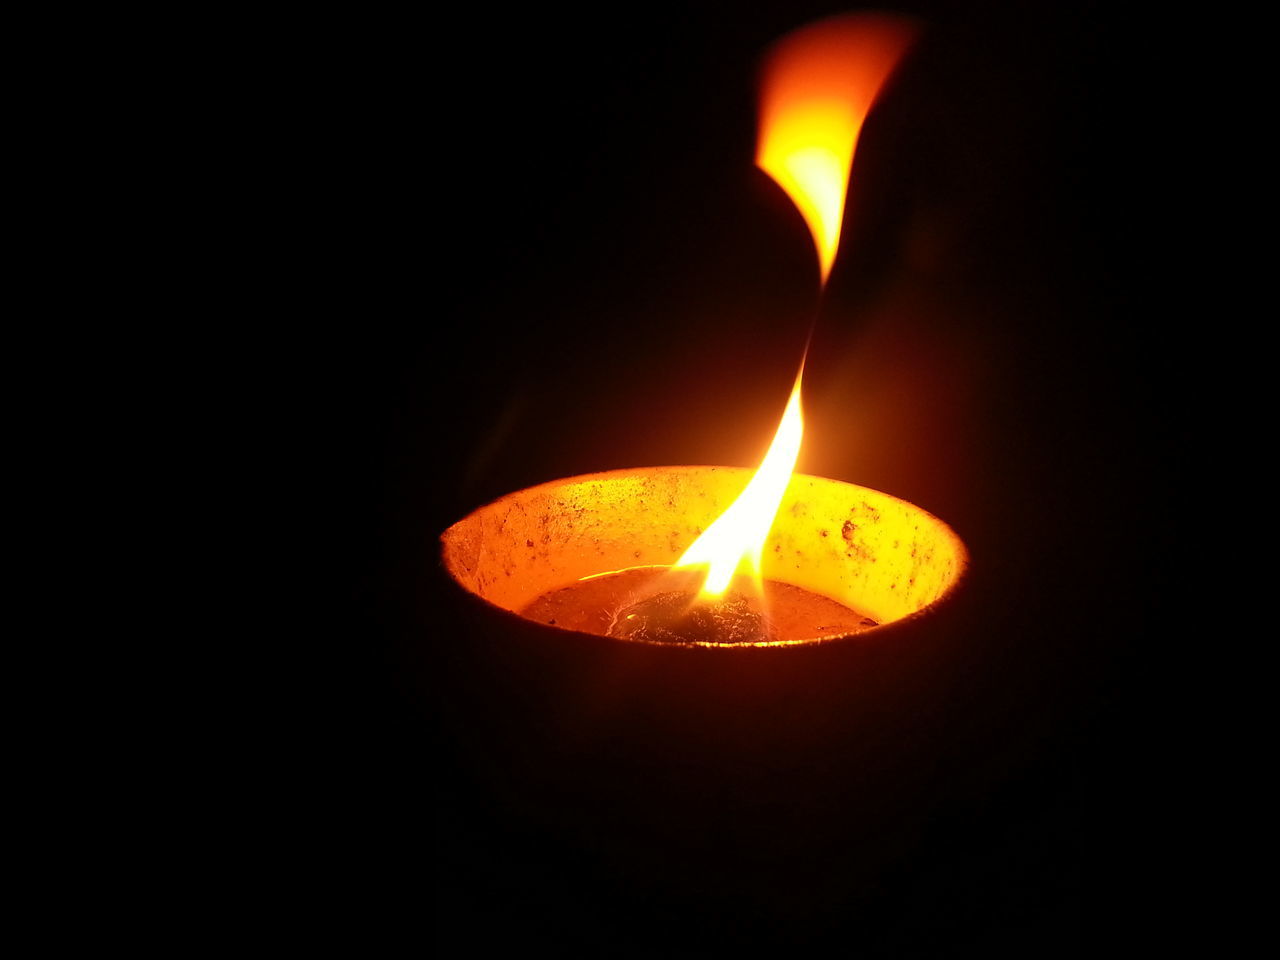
{"x":681,"y":556}
{"x":690,"y":674}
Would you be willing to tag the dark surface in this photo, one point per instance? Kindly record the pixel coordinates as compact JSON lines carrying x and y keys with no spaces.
{"x":557,"y":258}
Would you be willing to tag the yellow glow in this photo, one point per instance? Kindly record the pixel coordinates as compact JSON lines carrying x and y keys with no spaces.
{"x":868,"y":550}
{"x":734,"y":542}
{"x":819,"y":84}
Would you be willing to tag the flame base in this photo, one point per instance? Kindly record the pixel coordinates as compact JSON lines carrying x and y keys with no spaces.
{"x":679,"y":617}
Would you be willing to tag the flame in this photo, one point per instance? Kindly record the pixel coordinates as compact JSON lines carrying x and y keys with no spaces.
{"x":819,"y":83}
{"x":736,"y":540}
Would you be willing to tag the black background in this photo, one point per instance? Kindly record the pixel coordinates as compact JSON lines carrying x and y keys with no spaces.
{"x":553,"y":256}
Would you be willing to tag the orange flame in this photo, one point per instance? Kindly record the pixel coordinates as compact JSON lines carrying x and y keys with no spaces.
{"x":735,"y":541}
{"x":819,"y":83}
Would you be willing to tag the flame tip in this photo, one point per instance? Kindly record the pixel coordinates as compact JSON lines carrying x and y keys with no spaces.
{"x":818,"y":84}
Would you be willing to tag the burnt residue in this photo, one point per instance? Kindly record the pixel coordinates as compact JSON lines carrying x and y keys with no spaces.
{"x":855,"y":549}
